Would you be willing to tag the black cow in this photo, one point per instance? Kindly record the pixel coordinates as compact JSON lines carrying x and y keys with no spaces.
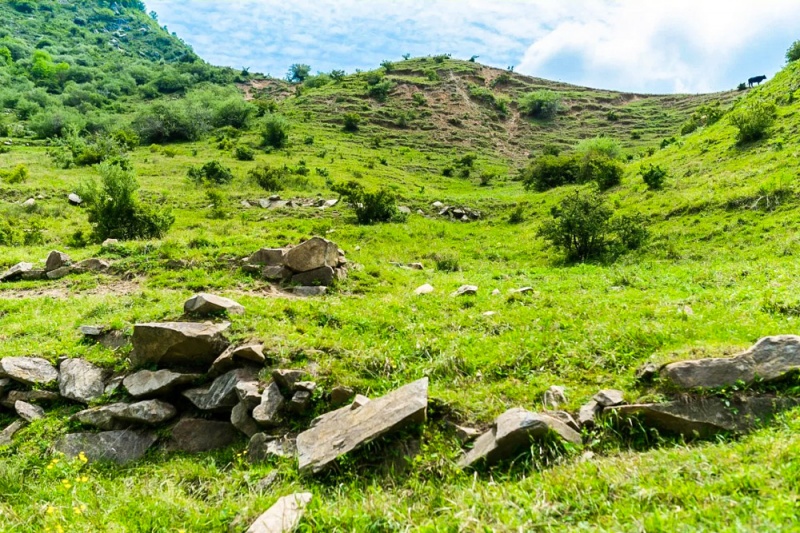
{"x":756,"y":80}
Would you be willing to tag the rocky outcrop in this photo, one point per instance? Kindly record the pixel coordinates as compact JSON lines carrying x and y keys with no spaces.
{"x":80,"y":380}
{"x":267,"y":412}
{"x":8,"y":433}
{"x":209,"y":304}
{"x":27,"y":411}
{"x":178,"y":344}
{"x":284,"y":516}
{"x":313,"y":263}
{"x":33,"y":371}
{"x":120,"y":447}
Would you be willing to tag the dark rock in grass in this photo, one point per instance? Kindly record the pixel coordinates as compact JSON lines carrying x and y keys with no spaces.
{"x":28,"y":411}
{"x":92,"y":265}
{"x":588,"y":414}
{"x":34,"y":275}
{"x":59,"y":273}
{"x":115,"y":416}
{"x":80,"y":380}
{"x":341,"y":395}
{"x":286,"y":379}
{"x":312,"y":254}
{"x":57,"y":260}
{"x":147,"y":383}
{"x":30,"y":396}
{"x":208,"y":304}
{"x":243,"y":421}
{"x":33,"y":371}
{"x":513,"y":430}
{"x":220,"y":396}
{"x":249,"y":393}
{"x":609,"y":397}
{"x":307,"y":386}
{"x":194,"y":435}
{"x":339,"y":432}
{"x":276,"y":273}
{"x":174,"y":344}
{"x":770,"y":359}
{"x":270,"y":257}
{"x":466,"y":434}
{"x":321,"y":276}
{"x":113,"y":446}
{"x":309,"y":292}
{"x":15,"y":272}
{"x":703,"y":418}
{"x":93,"y":331}
{"x":284,"y":516}
{"x":300,"y":402}
{"x":267,"y":413}
{"x":250,"y":355}
{"x":647,"y":372}
{"x":263,"y":447}
{"x":8,"y":433}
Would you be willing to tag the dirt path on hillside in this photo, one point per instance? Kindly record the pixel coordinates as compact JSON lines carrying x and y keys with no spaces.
{"x":67,"y":290}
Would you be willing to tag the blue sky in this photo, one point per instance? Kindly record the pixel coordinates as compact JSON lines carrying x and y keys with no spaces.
{"x":661,"y":46}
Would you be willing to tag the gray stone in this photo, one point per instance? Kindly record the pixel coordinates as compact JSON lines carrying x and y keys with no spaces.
{"x":59,"y":273}
{"x":647,"y":372}
{"x":330,"y":203}
{"x":284,"y":516}
{"x":100,"y":417}
{"x":319,"y":276}
{"x":513,"y":430}
{"x":93,"y":331}
{"x":110,"y":243}
{"x":32,"y":371}
{"x":113,"y":385}
{"x":466,"y":434}
{"x":309,"y":292}
{"x":194,"y":435}
{"x":705,"y":417}
{"x":30,"y":202}
{"x":208,"y":304}
{"x":344,"y":430}
{"x":34,"y":275}
{"x":29,"y":396}
{"x":770,"y":359}
{"x":28,"y":411}
{"x":404,"y":210}
{"x":287,"y":379}
{"x":359,"y":401}
{"x":300,"y":402}
{"x":588,"y":414}
{"x":307,"y":386}
{"x":267,"y":482}
{"x":147,"y":383}
{"x":16,"y":272}
{"x":173,"y":344}
{"x":74,"y":199}
{"x":251,"y":355}
{"x":249,"y":393}
{"x":80,"y":380}
{"x":220,"y":396}
{"x":424,"y":289}
{"x":117,"y":415}
{"x":8,"y":433}
{"x":113,"y":446}
{"x":554,"y":397}
{"x":57,"y":260}
{"x":609,"y":397}
{"x":276,"y":273}
{"x":92,"y":265}
{"x":523,"y":290}
{"x":311,"y":255}
{"x":267,"y":413}
{"x":465,"y":290}
{"x":263,"y":447}
{"x":243,"y":421}
{"x":268,"y":257}
{"x":341,"y":395}
{"x":564,"y":417}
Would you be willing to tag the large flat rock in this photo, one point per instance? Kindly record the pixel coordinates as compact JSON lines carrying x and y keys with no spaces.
{"x":284,"y":516}
{"x":178,"y":344}
{"x":15,"y":272}
{"x":313,"y":254}
{"x":33,"y":371}
{"x":770,"y":359}
{"x":148,"y":383}
{"x":194,"y":435}
{"x":114,"y":446}
{"x":80,"y":380}
{"x":221,"y":395}
{"x":147,"y":412}
{"x":342,"y":431}
{"x":208,"y":304}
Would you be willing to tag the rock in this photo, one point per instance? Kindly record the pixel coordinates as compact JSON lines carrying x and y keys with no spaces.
{"x":490,"y":314}
{"x":424,"y":289}
{"x":115,"y":446}
{"x":57,"y":260}
{"x":588,"y":414}
{"x":178,"y":343}
{"x":309,"y":292}
{"x":241,"y":420}
{"x":276,"y":273}
{"x":466,"y":290}
{"x":109,"y":243}
{"x":208,"y":304}
{"x":705,"y":417}
{"x":609,"y":397}
{"x":231,"y":358}
{"x":770,"y":359}
{"x":523,"y":290}
{"x":554,"y":396}
{"x":287,"y":379}
{"x":263,"y":447}
{"x":32,"y":371}
{"x":220,"y":396}
{"x":267,"y":413}
{"x":100,"y":417}
{"x":28,"y":411}
{"x":92,"y":265}
{"x":16,"y":272}
{"x":496,"y":292}
{"x":342,"y":431}
{"x":249,"y":393}
{"x":300,"y":402}
{"x":29,"y":396}
{"x":113,"y":385}
{"x":147,"y":383}
{"x":566,"y":418}
{"x":330,"y":203}
{"x":359,"y":401}
{"x":466,"y":434}
{"x":80,"y":380}
{"x":512,"y":430}
{"x":312,"y":254}
{"x":319,"y":276}
{"x":267,"y":482}
{"x":8,"y":433}
{"x":117,"y":415}
{"x":306,"y":386}
{"x":647,"y":372}
{"x":437,"y":205}
{"x":30,"y":202}
{"x":341,"y":395}
{"x":284,"y":516}
{"x":194,"y":435}
{"x":93,"y":331}
{"x":34,"y":275}
{"x":74,"y":199}
{"x":59,"y":273}
{"x":245,"y":204}
{"x":416,"y":266}
{"x":268,"y":257}
{"x":404,"y":210}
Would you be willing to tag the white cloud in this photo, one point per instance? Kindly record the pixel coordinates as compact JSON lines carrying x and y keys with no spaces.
{"x":641,"y":45}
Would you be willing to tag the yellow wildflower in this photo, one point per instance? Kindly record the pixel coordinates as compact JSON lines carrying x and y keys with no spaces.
{"x":50,"y":509}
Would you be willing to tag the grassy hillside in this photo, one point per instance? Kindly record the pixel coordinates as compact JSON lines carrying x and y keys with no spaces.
{"x":717,"y":273}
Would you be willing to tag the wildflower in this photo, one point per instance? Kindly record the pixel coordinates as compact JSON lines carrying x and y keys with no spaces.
{"x":77,"y":510}
{"x":84,"y":479}
{"x":82,"y":457}
{"x":50,"y":509}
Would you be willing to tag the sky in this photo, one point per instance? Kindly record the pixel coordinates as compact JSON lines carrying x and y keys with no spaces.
{"x":646,"y":46}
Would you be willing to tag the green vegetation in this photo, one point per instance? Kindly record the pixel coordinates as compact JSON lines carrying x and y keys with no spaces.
{"x":275,"y":131}
{"x":793,"y":53}
{"x":753,"y":120}
{"x":543,"y":104}
{"x":653,"y":176}
{"x":369,"y":207}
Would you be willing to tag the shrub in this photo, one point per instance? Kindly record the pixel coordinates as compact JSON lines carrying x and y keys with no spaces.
{"x":630,"y":231}
{"x":370,"y":207}
{"x":275,"y":131}
{"x":18,"y":174}
{"x":269,"y":178}
{"x":543,"y":104}
{"x":604,"y":171}
{"x":654,"y":176}
{"x":741,"y":87}
{"x":172,"y":121}
{"x":351,"y":121}
{"x":218,"y":201}
{"x":77,"y":150}
{"x":446,"y":262}
{"x":517,"y":216}
{"x":115,"y":211}
{"x":793,"y":53}
{"x":55,"y":123}
{"x":549,"y":171}
{"x":212,"y":172}
{"x":380,"y":91}
{"x":232,"y":112}
{"x":298,"y":73}
{"x":600,"y":146}
{"x":753,"y":120}
{"x":244,"y":153}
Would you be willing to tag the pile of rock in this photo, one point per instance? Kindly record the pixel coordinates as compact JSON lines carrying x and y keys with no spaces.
{"x":57,"y":265}
{"x":309,"y":267}
{"x":275,"y":202}
{"x":464,"y":214}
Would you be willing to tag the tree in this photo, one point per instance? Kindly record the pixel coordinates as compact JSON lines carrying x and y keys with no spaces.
{"x":793,"y":53}
{"x":275,"y":131}
{"x":579,"y":225}
{"x":298,"y":73}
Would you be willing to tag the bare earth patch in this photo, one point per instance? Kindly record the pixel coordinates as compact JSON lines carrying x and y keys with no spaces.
{"x":68,"y":290}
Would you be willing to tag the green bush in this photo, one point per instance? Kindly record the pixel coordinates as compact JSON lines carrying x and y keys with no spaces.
{"x":177,"y":120}
{"x":53,"y":123}
{"x":244,"y":153}
{"x":212,"y":172}
{"x":351,"y":121}
{"x":298,"y":73}
{"x":604,"y":171}
{"x":653,"y":176}
{"x":543,"y":104}
{"x":76,"y":150}
{"x":793,"y":53}
{"x":600,"y":146}
{"x":275,"y":131}
{"x":232,"y":112}
{"x":218,"y":201}
{"x":19,"y":174}
{"x":753,"y":120}
{"x":380,"y":91}
{"x":271,"y":179}
{"x":115,"y":211}
{"x":550,"y":171}
{"x":370,"y":207}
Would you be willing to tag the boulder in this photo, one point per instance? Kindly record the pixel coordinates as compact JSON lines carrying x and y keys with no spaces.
{"x":173,"y":344}
{"x":59,"y":273}
{"x":588,"y":413}
{"x":114,"y":416}
{"x":8,"y":433}
{"x":74,"y":199}
{"x":554,"y":397}
{"x":208,"y":304}
{"x":465,"y":290}
{"x":311,"y":255}
{"x":286,"y":379}
{"x":30,"y":202}
{"x":300,"y":402}
{"x":34,"y":275}
{"x":110,"y":243}
{"x":267,"y":413}
{"x":319,"y":276}
{"x":770,"y":359}
{"x":28,"y":411}
{"x":424,"y":289}
{"x":119,"y":447}
{"x":305,"y":386}
{"x":344,"y":430}
{"x":647,"y":372}
{"x":609,"y":397}
{"x":93,"y":331}
{"x":16,"y":272}
{"x":147,"y":383}
{"x":249,"y":393}
{"x":513,"y":430}
{"x":80,"y":380}
{"x":92,"y":265}
{"x":220,"y":396}
{"x":341,"y":395}
{"x":250,"y":355}
{"x":29,"y":396}
{"x":194,"y":435}
{"x":284,"y":516}
{"x":32,"y":371}
{"x":276,"y":273}
{"x":309,"y":292}
{"x":268,"y":257}
{"x":243,"y":421}
{"x":705,"y":417}
{"x":57,"y":260}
